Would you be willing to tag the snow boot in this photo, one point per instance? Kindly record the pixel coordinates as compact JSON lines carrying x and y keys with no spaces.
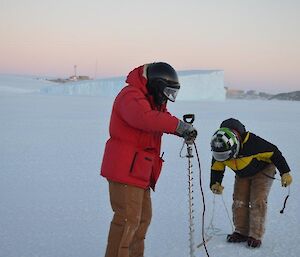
{"x":254,"y":243}
{"x":236,"y":237}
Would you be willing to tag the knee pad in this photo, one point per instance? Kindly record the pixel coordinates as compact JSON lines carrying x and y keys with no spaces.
{"x":259,"y":204}
{"x":239,"y":204}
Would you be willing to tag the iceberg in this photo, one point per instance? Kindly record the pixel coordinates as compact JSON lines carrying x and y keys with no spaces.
{"x":201,"y":85}
{"x":195,"y":85}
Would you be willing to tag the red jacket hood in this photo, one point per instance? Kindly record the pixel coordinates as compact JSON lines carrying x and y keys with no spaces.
{"x":137,"y":78}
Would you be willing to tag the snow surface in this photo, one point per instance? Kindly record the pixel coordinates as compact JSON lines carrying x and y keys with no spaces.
{"x":53,"y":203}
{"x":195,"y":85}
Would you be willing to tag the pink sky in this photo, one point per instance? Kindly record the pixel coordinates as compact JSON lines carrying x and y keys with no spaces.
{"x":255,"y":42}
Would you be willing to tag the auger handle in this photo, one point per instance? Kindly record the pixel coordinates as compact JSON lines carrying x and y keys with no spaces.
{"x":189,"y":118}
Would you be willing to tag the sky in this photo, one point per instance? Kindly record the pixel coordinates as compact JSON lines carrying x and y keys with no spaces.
{"x":255,"y":42}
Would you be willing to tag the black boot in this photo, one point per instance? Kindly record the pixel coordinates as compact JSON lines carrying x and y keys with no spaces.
{"x":236,"y":237}
{"x":252,"y":242}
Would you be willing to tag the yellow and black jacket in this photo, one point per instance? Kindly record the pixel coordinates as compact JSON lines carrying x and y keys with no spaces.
{"x":255,"y":154}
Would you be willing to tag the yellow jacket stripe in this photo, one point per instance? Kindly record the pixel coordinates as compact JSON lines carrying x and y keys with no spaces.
{"x":255,"y":154}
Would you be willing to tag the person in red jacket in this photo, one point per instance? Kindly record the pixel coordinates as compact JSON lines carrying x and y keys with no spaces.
{"x":131,"y":161}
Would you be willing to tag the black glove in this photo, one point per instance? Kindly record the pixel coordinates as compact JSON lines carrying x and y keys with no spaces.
{"x":187,"y":131}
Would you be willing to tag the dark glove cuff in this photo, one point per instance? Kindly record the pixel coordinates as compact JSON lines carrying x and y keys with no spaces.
{"x":181,"y":128}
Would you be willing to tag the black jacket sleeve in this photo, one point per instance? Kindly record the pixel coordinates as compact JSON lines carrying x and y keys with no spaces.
{"x":217,"y":172}
{"x":277,"y":158}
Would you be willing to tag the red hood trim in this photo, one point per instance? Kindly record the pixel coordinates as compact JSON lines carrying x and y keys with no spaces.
{"x":137,"y":78}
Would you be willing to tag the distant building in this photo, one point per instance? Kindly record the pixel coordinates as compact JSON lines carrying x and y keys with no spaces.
{"x":70,"y":79}
{"x":76,"y":78}
{"x":83,"y":78}
{"x":73,"y":78}
{"x":234,"y":93}
{"x":250,"y":94}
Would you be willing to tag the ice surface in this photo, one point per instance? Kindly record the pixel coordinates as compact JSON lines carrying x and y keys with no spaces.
{"x":53,"y":203}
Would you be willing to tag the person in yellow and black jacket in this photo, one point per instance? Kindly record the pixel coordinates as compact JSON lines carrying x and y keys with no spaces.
{"x":254,"y":161}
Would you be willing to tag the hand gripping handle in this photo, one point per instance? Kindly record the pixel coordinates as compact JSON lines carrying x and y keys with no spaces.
{"x":189,"y":118}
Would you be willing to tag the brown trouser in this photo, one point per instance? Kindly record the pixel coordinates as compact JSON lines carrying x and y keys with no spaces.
{"x":132,"y":216}
{"x":249,"y":206}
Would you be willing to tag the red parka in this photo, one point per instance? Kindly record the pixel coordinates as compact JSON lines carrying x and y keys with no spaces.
{"x":132,"y":153}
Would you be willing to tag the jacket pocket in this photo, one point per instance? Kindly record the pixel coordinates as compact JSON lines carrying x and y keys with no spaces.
{"x":142,"y":165}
